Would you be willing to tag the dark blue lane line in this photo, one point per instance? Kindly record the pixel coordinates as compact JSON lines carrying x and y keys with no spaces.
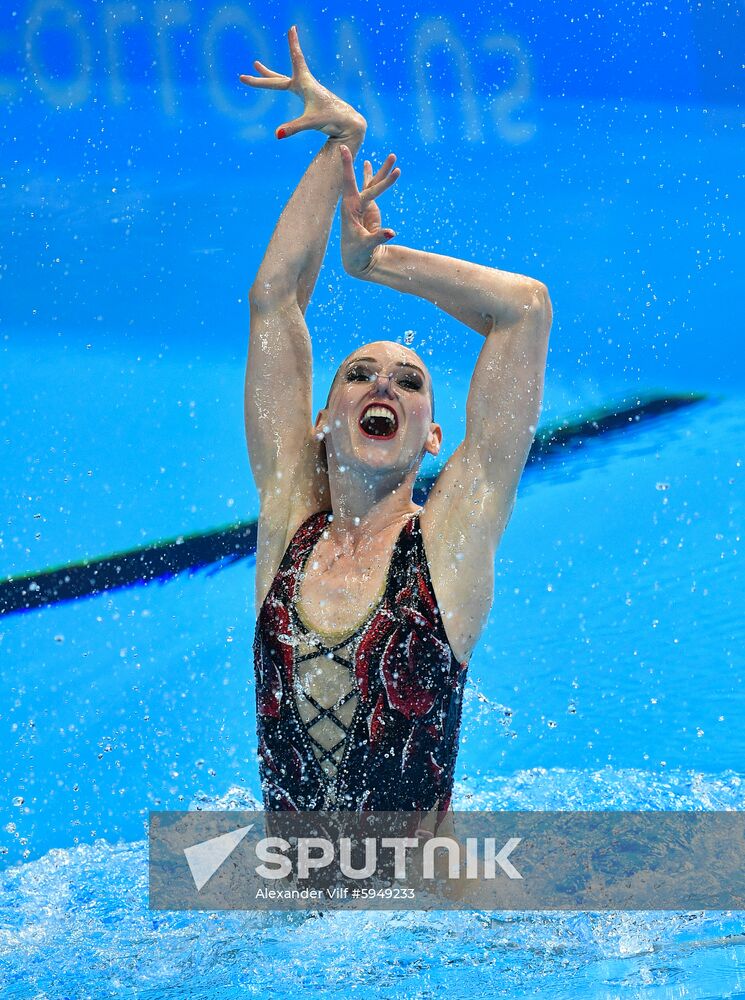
{"x":223,"y":546}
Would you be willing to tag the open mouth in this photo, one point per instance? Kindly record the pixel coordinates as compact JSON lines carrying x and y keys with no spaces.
{"x":379,"y":421}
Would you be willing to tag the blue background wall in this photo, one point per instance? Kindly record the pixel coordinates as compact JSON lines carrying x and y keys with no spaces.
{"x":596,"y":147}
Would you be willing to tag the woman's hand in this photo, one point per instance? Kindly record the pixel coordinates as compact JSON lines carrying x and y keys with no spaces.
{"x":323,"y":110}
{"x":361,"y":234}
{"x":457,"y":889}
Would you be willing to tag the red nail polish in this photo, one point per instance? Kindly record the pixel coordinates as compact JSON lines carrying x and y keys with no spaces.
{"x":281,"y":134}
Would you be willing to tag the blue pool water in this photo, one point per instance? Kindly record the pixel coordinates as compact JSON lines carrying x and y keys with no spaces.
{"x":139,"y":197}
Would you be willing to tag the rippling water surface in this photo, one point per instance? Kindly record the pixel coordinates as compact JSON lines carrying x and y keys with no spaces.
{"x":609,"y":678}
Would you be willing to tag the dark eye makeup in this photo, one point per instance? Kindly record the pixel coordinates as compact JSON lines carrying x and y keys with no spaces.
{"x":357,"y":374}
{"x":405,"y":378}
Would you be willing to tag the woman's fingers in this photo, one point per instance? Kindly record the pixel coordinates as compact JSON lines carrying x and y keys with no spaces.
{"x":265,"y":71}
{"x":375,"y":189}
{"x":349,"y":181}
{"x":385,"y":168}
{"x":302,"y":124}
{"x":383,"y":179}
{"x":269,"y":80}
{"x":378,"y":235}
{"x":296,"y":53}
{"x":428,"y":824}
{"x":383,"y":235}
{"x":266,"y":83}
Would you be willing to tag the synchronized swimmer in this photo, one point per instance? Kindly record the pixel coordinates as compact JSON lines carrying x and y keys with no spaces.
{"x":369,"y":607}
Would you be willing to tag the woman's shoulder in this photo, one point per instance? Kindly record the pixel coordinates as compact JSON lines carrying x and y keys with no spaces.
{"x":281,"y":536}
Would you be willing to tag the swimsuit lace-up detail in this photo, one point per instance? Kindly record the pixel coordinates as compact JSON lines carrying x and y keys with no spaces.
{"x":330,"y":727}
{"x":381,"y":731}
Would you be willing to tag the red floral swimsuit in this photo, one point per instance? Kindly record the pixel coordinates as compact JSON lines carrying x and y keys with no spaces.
{"x":390,"y":740}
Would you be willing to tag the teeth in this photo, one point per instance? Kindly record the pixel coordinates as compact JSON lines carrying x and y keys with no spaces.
{"x":379,"y":411}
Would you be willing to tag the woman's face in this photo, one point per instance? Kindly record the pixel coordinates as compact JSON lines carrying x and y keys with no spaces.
{"x":379,"y":412}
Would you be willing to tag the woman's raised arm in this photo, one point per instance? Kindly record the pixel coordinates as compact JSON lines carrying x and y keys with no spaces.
{"x":279,"y":369}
